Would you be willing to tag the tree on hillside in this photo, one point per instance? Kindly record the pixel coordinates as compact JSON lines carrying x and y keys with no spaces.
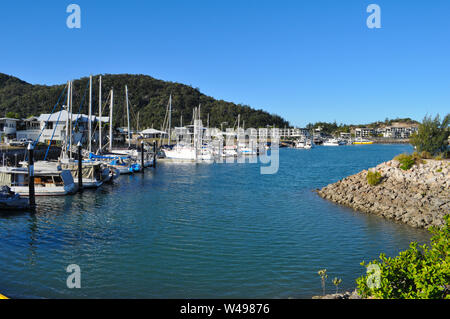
{"x":432,"y":135}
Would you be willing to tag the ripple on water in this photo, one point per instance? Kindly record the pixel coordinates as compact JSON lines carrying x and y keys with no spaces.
{"x":202,"y":231}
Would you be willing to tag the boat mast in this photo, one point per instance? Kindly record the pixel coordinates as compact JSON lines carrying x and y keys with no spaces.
{"x":70,"y":121}
{"x":90,"y":114}
{"x":111,"y":121}
{"x":128,"y":116}
{"x":67,"y":120}
{"x":170,"y":119}
{"x":195,"y":133}
{"x":100,"y":116}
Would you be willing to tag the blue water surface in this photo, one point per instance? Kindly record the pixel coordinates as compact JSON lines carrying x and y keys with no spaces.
{"x":203,"y":231}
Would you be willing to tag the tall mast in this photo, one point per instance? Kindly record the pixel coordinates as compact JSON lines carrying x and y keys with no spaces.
{"x":100,"y":116}
{"x":70,"y":120}
{"x":170,"y":118}
{"x":128,"y":116}
{"x":90,"y":114}
{"x":111,"y":121}
{"x":67,"y":119}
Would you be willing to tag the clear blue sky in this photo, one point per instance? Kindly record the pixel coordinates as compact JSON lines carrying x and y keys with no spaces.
{"x":304,"y":60}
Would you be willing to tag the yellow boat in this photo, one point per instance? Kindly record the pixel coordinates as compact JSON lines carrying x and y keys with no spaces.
{"x":3,"y":297}
{"x":362,"y":142}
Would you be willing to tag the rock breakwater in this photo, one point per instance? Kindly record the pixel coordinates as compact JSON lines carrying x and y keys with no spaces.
{"x":419,"y":197}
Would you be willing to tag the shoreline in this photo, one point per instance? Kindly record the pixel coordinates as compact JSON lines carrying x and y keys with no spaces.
{"x":419,"y":197}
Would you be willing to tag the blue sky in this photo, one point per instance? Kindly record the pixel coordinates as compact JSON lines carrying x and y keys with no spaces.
{"x":304,"y":60}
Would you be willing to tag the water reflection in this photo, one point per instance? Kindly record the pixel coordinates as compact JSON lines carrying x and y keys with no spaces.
{"x":201,"y":231}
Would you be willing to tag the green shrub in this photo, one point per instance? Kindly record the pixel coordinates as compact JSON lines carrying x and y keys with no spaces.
{"x":373,"y":178}
{"x":406,"y":161}
{"x":432,"y":135}
{"x":421,"y":272}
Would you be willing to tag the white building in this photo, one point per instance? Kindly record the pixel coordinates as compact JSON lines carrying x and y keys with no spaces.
{"x":399,"y":131}
{"x":53,"y":126}
{"x":30,"y":129}
{"x":364,"y":132}
{"x":294,"y":132}
{"x":8,"y":127}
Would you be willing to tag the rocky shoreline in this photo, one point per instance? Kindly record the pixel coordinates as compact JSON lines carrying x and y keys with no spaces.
{"x":419,"y":197}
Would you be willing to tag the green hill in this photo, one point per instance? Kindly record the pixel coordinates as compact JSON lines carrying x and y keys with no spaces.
{"x":148,"y":98}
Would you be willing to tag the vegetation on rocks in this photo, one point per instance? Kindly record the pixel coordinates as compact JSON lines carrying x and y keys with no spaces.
{"x":421,"y":272}
{"x":406,"y":161}
{"x":373,"y":178}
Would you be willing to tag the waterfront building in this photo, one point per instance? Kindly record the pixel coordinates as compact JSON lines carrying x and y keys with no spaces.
{"x":400,"y":130}
{"x":29,"y":129}
{"x":364,"y":132}
{"x":8,"y":127}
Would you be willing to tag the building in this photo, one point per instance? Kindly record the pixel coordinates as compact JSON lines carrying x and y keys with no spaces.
{"x":400,"y":130}
{"x":294,"y":132}
{"x":345,"y":136}
{"x":364,"y":132}
{"x":29,"y":129}
{"x":8,"y":127}
{"x":152,"y":133}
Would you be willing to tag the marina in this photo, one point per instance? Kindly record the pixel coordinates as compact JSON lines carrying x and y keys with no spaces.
{"x":201,"y":231}
{"x":183,"y":154}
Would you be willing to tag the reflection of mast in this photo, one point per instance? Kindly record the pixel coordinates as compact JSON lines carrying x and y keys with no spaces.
{"x":32,"y":243}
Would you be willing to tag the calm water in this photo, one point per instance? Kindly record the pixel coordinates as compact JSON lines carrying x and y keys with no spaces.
{"x":203,"y":231}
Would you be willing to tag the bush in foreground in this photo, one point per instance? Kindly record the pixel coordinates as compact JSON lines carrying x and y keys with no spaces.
{"x":421,"y":272}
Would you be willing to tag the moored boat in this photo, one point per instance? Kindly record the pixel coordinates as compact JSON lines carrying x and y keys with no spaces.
{"x":9,"y":200}
{"x":47,"y":182}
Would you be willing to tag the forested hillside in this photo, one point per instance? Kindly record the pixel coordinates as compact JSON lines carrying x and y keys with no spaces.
{"x":148,"y":97}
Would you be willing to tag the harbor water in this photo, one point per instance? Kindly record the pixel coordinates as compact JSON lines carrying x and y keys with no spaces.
{"x":203,"y":231}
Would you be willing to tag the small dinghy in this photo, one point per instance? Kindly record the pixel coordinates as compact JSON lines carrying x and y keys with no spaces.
{"x":11,"y":201}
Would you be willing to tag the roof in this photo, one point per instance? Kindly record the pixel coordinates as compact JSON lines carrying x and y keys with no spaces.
{"x":152,"y":131}
{"x":64,"y":115}
{"x":8,"y":118}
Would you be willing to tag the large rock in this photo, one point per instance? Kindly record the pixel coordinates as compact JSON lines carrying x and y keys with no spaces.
{"x":419,"y":197}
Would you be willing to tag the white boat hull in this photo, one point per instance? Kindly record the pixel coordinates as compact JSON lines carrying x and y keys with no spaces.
{"x":46,"y":191}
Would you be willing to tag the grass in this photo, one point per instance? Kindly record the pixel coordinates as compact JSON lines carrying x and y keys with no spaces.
{"x":373,"y":178}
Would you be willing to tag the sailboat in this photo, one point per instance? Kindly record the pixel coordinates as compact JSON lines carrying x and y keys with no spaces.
{"x":93,"y":174}
{"x":182,"y":150}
